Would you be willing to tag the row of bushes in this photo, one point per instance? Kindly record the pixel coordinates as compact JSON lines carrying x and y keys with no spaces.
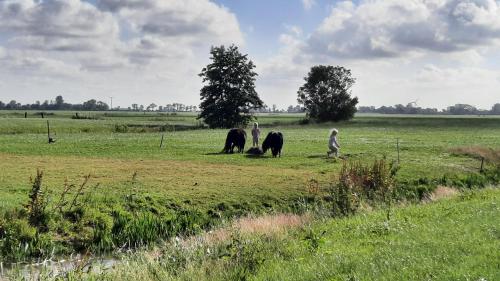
{"x":141,"y":128}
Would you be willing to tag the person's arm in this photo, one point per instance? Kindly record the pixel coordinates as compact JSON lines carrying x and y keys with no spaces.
{"x":336,"y":143}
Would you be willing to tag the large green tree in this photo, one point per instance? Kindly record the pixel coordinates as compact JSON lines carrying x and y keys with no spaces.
{"x":229,"y":92}
{"x":326,"y":95}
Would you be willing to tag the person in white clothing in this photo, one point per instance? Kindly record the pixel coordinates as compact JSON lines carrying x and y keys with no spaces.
{"x":333,"y":145}
{"x":255,"y":134}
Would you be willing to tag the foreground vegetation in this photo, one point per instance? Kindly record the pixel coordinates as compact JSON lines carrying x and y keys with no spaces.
{"x":106,"y":188}
{"x":451,"y":239}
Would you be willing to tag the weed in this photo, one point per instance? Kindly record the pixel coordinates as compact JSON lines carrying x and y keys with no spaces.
{"x":37,"y":204}
{"x":314,"y":239}
{"x":79,"y":192}
{"x":345,"y":201}
{"x":243,"y":256}
{"x":357,"y":181}
{"x":120,"y":128}
{"x":313,"y":187}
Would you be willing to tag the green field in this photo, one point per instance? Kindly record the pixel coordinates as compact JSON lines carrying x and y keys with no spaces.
{"x":129,"y":172}
{"x":191,"y":156}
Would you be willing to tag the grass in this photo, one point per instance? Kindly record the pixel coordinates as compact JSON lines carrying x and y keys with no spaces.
{"x":188,"y":185}
{"x":451,"y":239}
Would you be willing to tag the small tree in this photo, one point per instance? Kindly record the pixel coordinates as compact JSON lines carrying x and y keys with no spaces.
{"x":495,"y":109}
{"x":326,"y":94}
{"x":230,"y":92}
{"x":59,"y":102}
{"x":151,"y":107}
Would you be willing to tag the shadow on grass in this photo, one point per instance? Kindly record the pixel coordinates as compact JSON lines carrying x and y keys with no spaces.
{"x":219,"y":153}
{"x":317,"y":156}
{"x":255,"y":156}
{"x":331,"y":158}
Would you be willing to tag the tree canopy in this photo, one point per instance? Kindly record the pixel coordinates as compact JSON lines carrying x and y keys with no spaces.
{"x":326,"y":95}
{"x":229,"y":92}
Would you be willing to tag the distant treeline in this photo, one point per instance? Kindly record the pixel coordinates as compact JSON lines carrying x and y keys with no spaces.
{"x":58,"y":104}
{"x":94,"y":105}
{"x":457,"y":109}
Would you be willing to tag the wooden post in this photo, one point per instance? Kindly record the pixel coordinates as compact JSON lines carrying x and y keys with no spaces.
{"x":25,"y":115}
{"x":48,"y":131}
{"x":161,"y":142}
{"x":42,"y":115}
{"x":482,"y":164}
{"x":397,"y":145}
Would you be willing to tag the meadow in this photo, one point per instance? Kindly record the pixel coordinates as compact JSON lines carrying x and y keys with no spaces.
{"x":138,"y":192}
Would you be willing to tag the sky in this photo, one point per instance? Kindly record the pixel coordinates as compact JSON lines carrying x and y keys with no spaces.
{"x":434,"y":52}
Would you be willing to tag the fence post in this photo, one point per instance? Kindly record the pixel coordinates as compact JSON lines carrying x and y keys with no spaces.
{"x":48,"y":131}
{"x":161,"y":142}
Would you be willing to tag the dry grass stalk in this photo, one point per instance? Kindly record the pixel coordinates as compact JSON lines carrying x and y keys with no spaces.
{"x":442,"y":192}
{"x":267,"y":224}
{"x":489,"y":154}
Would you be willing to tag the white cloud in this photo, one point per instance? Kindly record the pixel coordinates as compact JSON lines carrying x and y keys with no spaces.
{"x":28,"y":66}
{"x":308,"y":4}
{"x":196,"y":21}
{"x":393,"y":28}
{"x":440,"y":52}
{"x":434,"y":75}
{"x":57,"y":25}
{"x":78,"y":29}
{"x":152,"y":49}
{"x":294,"y":29}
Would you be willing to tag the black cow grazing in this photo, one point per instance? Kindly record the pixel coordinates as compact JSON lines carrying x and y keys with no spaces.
{"x":235,"y":138}
{"x":273,"y":141}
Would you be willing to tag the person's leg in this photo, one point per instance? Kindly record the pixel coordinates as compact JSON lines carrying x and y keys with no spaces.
{"x":333,"y":150}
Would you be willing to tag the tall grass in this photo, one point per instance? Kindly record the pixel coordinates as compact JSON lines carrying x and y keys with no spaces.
{"x":480,"y":152}
{"x":358,"y":181}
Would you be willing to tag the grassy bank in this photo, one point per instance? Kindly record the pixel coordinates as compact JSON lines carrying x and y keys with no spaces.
{"x":451,"y":239}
